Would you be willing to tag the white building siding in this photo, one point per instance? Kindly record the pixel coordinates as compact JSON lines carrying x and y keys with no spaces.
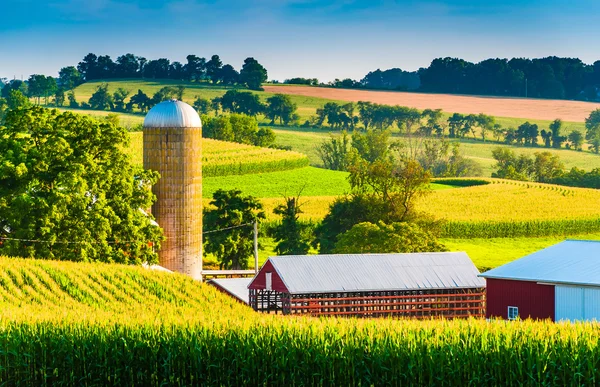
{"x":591,"y":304}
{"x":577,"y":303}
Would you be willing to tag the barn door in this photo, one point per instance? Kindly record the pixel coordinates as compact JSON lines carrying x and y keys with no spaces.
{"x":591,"y":304}
{"x":568,"y":303}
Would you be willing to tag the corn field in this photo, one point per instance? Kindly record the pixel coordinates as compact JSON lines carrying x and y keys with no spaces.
{"x":222,"y":158}
{"x":99,"y":324}
{"x":500,"y":209}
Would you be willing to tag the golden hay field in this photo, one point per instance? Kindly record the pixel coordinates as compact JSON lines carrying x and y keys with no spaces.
{"x":534,"y":109}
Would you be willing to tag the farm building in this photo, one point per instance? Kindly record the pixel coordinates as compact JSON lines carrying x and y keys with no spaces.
{"x":561,"y":282}
{"x":417,"y":285}
{"x":173,"y":147}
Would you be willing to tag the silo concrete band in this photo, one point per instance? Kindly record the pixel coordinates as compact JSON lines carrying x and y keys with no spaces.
{"x":173,"y":147}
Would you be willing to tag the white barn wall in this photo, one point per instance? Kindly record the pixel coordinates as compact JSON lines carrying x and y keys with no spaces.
{"x":576,"y":303}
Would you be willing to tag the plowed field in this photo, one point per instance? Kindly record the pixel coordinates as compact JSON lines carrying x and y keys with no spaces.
{"x":540,"y":109}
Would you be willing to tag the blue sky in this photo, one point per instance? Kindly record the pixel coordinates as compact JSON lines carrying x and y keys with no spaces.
{"x":309,"y":38}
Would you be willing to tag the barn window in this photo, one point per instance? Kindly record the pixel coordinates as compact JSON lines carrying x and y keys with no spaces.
{"x":268,"y":281}
{"x":513,"y":312}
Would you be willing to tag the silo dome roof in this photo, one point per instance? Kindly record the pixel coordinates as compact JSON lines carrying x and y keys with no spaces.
{"x":172,"y":114}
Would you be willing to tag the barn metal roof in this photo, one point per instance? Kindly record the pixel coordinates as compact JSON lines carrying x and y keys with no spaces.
{"x":376,"y":272}
{"x":237,"y":287}
{"x":172,"y":114}
{"x":568,"y":262}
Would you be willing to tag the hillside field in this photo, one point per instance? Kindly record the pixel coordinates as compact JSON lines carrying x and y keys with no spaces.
{"x":308,"y":103}
{"x":307,"y":140}
{"x":64,"y":323}
{"x":222,"y":158}
{"x":525,"y":108}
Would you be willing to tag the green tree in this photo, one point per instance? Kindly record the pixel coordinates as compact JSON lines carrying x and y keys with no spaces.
{"x":243,"y":102}
{"x":234,"y":246}
{"x":69,"y":78}
{"x":292,"y":236}
{"x":511,"y":166}
{"x":334,"y":152}
{"x":41,"y":86}
{"x":280,"y":106}
{"x":555,"y":128}
{"x":238,"y":128}
{"x":366,"y":238}
{"x":433,"y":122}
{"x":486,"y":124}
{"x":373,"y":144}
{"x":3,"y":108}
{"x":253,"y":74}
{"x":66,"y":180}
{"x":114,"y":119}
{"x":143,"y":102}
{"x":455,"y":123}
{"x":547,"y":166}
{"x":102,"y":99}
{"x":213,"y":68}
{"x":228,"y":75}
{"x":59,"y":97}
{"x":165,"y":93}
{"x":202,"y":105}
{"x":72,"y":100}
{"x":16,"y":100}
{"x":576,"y":139}
{"x":592,"y":127}
{"x":180,"y":90}
{"x":119,"y":97}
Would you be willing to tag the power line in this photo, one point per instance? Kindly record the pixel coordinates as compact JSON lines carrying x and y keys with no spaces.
{"x":108,"y":242}
{"x":228,"y":228}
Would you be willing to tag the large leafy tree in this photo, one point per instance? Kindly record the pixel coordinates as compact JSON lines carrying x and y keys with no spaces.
{"x":213,"y":68}
{"x":241,"y":102}
{"x":102,"y":99}
{"x":592,"y":130}
{"x":402,"y":237}
{"x":281,"y":106}
{"x":66,"y":182}
{"x":233,"y":245}
{"x":237,"y":128}
{"x":292,"y":236}
{"x":69,"y":77}
{"x":253,"y":74}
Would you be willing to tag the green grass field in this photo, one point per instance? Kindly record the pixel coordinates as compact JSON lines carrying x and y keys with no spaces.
{"x":306,"y":105}
{"x":307,"y":182}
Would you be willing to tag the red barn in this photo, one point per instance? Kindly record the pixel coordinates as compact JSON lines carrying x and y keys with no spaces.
{"x":412,"y":285}
{"x":561,"y":282}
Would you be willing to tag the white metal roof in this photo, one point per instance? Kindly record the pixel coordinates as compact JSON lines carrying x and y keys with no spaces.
{"x":172,"y":114}
{"x":568,"y":262}
{"x":237,"y":287}
{"x":376,"y":272}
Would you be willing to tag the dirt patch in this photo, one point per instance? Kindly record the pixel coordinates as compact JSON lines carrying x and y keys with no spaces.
{"x":539,"y":109}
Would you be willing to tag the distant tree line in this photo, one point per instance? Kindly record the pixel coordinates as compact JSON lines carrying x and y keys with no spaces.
{"x":433,"y":122}
{"x":93,"y":67}
{"x":542,"y":167}
{"x":550,"y":77}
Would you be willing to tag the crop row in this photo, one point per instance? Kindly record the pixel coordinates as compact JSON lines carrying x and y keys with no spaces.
{"x":222,"y":158}
{"x":64,"y":323}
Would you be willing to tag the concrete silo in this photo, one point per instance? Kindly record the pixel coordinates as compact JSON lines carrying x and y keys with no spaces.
{"x":173,"y":147}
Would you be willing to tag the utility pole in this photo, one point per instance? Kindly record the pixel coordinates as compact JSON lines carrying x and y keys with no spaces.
{"x":256,"y":246}
{"x":525,"y":87}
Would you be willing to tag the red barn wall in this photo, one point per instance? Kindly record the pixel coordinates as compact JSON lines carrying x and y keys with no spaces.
{"x":259,"y":282}
{"x":533,"y":300}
